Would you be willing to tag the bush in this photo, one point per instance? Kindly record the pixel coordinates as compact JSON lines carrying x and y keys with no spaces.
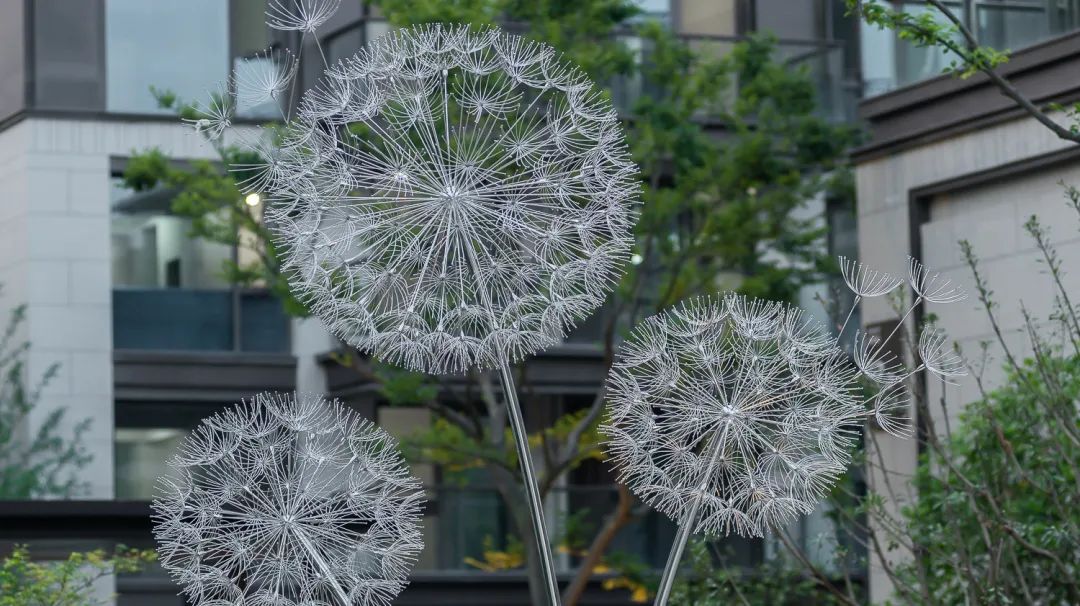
{"x":1005,"y":509}
{"x":70,"y":582}
{"x":710,"y":582}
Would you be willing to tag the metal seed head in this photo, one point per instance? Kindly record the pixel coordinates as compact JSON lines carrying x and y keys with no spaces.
{"x":264,"y":76}
{"x":452,"y":198}
{"x":737,"y":400}
{"x":875,"y":362}
{"x":937,"y":356}
{"x":931,"y":285}
{"x":300,"y":15}
{"x":866,"y":282}
{"x":288,"y":500}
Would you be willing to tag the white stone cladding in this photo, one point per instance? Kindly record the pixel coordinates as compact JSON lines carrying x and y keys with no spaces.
{"x":55,"y":257}
{"x":991,"y":216}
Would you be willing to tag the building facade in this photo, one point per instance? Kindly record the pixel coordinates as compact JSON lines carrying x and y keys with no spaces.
{"x":950,"y":160}
{"x":150,"y":338}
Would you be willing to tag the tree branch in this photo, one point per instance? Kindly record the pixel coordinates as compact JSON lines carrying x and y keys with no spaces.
{"x":1004,"y":85}
{"x":599,"y":546}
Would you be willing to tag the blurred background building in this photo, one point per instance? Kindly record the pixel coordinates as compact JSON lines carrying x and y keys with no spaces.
{"x":150,"y":339}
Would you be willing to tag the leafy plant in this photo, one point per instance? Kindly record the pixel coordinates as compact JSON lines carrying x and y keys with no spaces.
{"x":1016,"y":537}
{"x":941,"y":27}
{"x":494,"y":560}
{"x":42,"y":461}
{"x":712,"y":581}
{"x":68,"y":582}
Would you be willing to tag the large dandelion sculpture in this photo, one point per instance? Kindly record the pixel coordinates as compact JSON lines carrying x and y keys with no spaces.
{"x":448,"y":199}
{"x":734,"y":415}
{"x":288,"y":500}
{"x":452,"y":198}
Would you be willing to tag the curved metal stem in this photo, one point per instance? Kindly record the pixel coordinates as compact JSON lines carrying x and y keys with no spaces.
{"x":688,"y":523}
{"x":536,"y":504}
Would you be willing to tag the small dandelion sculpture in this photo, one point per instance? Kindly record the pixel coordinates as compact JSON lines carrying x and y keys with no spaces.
{"x":288,"y":500}
{"x":450,"y":198}
{"x":735,"y":415}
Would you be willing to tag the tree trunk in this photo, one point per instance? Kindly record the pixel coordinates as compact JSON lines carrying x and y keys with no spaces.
{"x":600,"y":544}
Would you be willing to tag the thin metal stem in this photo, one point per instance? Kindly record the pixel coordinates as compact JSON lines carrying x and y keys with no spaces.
{"x":321,"y":563}
{"x":536,"y":505}
{"x":881,"y":346}
{"x":688,"y":523}
{"x":850,"y":312}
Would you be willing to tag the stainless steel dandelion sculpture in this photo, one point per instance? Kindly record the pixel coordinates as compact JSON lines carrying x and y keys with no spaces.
{"x":734,"y":415}
{"x":450,"y":198}
{"x":288,"y":500}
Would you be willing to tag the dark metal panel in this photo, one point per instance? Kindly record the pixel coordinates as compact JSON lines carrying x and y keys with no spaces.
{"x":69,"y":54}
{"x":12,"y":58}
{"x":199,"y":376}
{"x":567,"y":369}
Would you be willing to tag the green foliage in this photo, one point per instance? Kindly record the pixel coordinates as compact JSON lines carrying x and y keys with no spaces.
{"x":145,"y":170}
{"x":42,"y":463}
{"x":449,"y":445}
{"x":710,"y":582}
{"x":581,"y":29}
{"x":929,"y":29}
{"x":1015,"y":445}
{"x":208,"y":195}
{"x":70,"y":582}
{"x":719,"y":206}
{"x":495,"y":559}
{"x":166,"y":99}
{"x":404,"y":388}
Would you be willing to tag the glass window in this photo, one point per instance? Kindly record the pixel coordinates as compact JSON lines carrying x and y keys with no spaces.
{"x":655,"y":9}
{"x":1013,"y":26}
{"x":141,"y":456}
{"x":152,"y":248}
{"x":914,"y":63}
{"x":179,"y":46}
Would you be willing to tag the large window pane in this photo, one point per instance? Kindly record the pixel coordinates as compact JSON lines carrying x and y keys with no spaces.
{"x":1013,"y":27}
{"x":152,"y":248}
{"x":180,"y":46}
{"x":919,"y":63}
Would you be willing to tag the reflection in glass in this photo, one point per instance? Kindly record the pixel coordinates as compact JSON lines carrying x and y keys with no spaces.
{"x":1006,"y":28}
{"x":170,"y":290}
{"x":152,"y":248}
{"x":141,"y":456}
{"x":915,"y":63}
